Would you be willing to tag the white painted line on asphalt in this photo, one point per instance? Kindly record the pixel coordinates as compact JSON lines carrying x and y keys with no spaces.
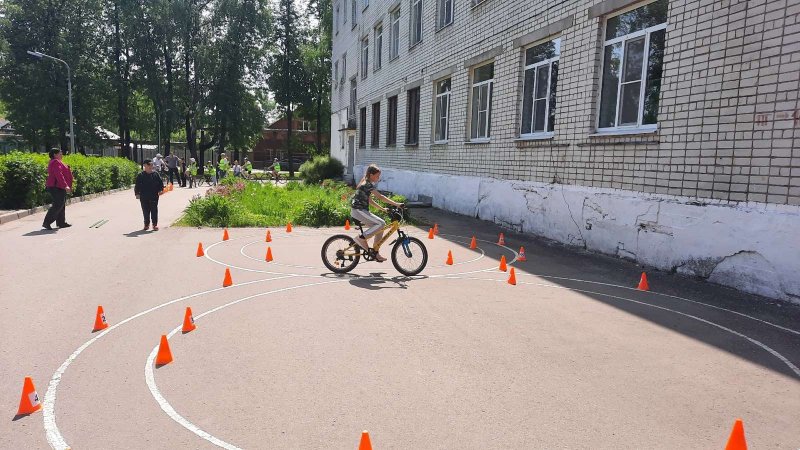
{"x":54,"y":436}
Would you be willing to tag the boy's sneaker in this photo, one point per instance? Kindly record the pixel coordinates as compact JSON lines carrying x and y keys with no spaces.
{"x":155,"y":227}
{"x":362,"y":242}
{"x":146,"y":227}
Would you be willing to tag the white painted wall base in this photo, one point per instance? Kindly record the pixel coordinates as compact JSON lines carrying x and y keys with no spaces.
{"x":751,"y":247}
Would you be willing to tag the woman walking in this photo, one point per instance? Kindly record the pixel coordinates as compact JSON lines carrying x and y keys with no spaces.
{"x":59,"y":184}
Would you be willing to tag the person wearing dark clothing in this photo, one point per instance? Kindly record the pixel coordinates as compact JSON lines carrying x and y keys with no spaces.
{"x":172,"y":164}
{"x":182,"y":172}
{"x":148,"y":188}
{"x":58,"y":184}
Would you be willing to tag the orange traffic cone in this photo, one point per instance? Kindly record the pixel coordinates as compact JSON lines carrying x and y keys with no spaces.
{"x":29,"y":403}
{"x":449,"y":258}
{"x":289,"y":227}
{"x":200,"y":251}
{"x":347,"y":224}
{"x":737,"y":441}
{"x":100,"y":320}
{"x":503,"y":263}
{"x":502,"y":240}
{"x":225,"y":235}
{"x":365,"y":443}
{"x":269,"y":254}
{"x":521,"y":256}
{"x":473,"y":244}
{"x":227,"y":281}
{"x":430,"y":233}
{"x":164,"y":354}
{"x":188,"y":321}
{"x":269,"y":236}
{"x":643,"y":285}
{"x":170,"y":187}
{"x":512,"y":279}
{"x":435,"y":228}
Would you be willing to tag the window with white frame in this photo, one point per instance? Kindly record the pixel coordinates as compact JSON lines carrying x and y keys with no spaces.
{"x":391,"y":120}
{"x":364,"y":57}
{"x":378,"y":60}
{"x":366,"y":3}
{"x":481,"y":110}
{"x":336,"y":19}
{"x":344,"y":12}
{"x":415,"y":36}
{"x":632,"y":66}
{"x":394,"y":34}
{"x":353,"y":12}
{"x":412,"y":117}
{"x":335,"y":74}
{"x":344,"y":68}
{"x":444,"y":13}
{"x":362,"y":130}
{"x":442,"y":110}
{"x":376,"y":125}
{"x":539,"y":92}
{"x":353,"y":97}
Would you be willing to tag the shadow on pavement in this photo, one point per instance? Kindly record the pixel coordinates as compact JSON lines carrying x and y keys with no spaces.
{"x":41,"y":232}
{"x":136,"y":233}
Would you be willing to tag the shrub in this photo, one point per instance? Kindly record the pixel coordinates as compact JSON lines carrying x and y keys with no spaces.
{"x":213,"y":210}
{"x":320,"y":213}
{"x":321,"y":168}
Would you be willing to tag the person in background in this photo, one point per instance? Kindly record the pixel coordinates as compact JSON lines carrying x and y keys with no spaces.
{"x":158,"y":163}
{"x":222,"y":166}
{"x":191,"y":172}
{"x":209,"y":171}
{"x":248,"y":167}
{"x":172,"y":165}
{"x":237,"y":169}
{"x":182,"y":172}
{"x":148,"y":188}
{"x":58,"y":184}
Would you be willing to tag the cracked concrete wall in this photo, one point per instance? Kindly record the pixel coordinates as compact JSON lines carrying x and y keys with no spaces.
{"x":752,"y":247}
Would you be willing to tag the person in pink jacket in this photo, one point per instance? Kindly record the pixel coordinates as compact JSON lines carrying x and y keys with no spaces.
{"x":59,"y":184}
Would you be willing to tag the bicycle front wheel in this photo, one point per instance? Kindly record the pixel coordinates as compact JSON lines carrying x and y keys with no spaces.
{"x":281,"y":179}
{"x":409,"y":256}
{"x":340,"y":254}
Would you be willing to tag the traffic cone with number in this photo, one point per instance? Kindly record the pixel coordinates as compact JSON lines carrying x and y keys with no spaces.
{"x":473,"y":244}
{"x":347,"y":224}
{"x":29,"y":403}
{"x":269,"y":254}
{"x":100,"y":320}
{"x":365,"y":443}
{"x":269,"y":236}
{"x":430,"y":233}
{"x":225,"y":236}
{"x":737,"y":441}
{"x":503,"y":263}
{"x":449,"y":258}
{"x":227,"y":281}
{"x":502,"y":240}
{"x":200,"y":251}
{"x":435,"y":228}
{"x":289,"y":227}
{"x":164,"y":354}
{"x":512,"y":279}
{"x":521,"y":256}
{"x":188,"y":321}
{"x":643,"y":285}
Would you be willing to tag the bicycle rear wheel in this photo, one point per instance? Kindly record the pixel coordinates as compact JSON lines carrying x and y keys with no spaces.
{"x":409,"y":256}
{"x":340,"y":254}
{"x":281,"y":179}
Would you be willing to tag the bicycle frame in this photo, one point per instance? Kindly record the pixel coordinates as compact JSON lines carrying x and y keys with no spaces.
{"x":388,"y":231}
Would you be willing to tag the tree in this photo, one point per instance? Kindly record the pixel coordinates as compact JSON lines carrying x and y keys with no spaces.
{"x":317,"y":61}
{"x":288,"y":78}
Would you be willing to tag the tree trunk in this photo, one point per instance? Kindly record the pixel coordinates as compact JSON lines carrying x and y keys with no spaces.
{"x":170,"y":92}
{"x":319,"y":125}
{"x":289,"y":117}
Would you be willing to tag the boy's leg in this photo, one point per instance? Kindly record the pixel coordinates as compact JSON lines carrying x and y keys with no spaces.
{"x":145,"y":212}
{"x":154,"y":212}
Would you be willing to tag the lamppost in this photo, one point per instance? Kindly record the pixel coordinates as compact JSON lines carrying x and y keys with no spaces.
{"x":41,"y":55}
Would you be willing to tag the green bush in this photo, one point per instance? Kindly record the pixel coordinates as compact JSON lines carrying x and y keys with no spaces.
{"x":213,"y":211}
{"x":23,"y":176}
{"x":321,"y":168}
{"x":320,"y":213}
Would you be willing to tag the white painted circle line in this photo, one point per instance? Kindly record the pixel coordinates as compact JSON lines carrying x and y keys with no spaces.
{"x":54,"y":436}
{"x":149,"y":374}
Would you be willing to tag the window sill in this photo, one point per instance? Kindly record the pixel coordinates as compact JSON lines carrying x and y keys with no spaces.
{"x":394,"y":59}
{"x":445,"y":26}
{"x":535,"y":137}
{"x":391,"y":145}
{"x":376,"y":70}
{"x":440,"y":142}
{"x":625,"y":132}
{"x":411,"y":145}
{"x":417,"y":44}
{"x":478,"y":141}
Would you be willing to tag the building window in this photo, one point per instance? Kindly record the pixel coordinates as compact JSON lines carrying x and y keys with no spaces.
{"x":415,"y":35}
{"x":391,"y":123}
{"x":352,"y":97}
{"x":354,"y":12}
{"x":344,"y":68}
{"x":335,"y":74}
{"x":378,"y":62}
{"x":442,"y":110}
{"x":481,"y":120}
{"x":336,"y":20}
{"x":444,"y":13}
{"x":364,"y":57}
{"x":394,"y":34}
{"x":539,"y":93}
{"x":362,"y":129}
{"x":366,"y":3}
{"x":632,"y":67}
{"x":376,"y":124}
{"x":344,"y":12}
{"x":412,"y":117}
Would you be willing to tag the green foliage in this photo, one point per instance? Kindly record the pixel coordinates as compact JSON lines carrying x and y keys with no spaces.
{"x":213,"y":211}
{"x":321,"y":168}
{"x":23,"y":176}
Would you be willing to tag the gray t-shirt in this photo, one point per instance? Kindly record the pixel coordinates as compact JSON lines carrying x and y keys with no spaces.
{"x":172,"y":161}
{"x":361,"y":197}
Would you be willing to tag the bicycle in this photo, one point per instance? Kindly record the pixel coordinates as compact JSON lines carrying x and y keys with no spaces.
{"x":208,"y":178}
{"x":278,"y":178}
{"x":341,"y":254}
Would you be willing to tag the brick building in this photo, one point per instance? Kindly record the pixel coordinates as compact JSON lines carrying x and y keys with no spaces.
{"x":666,"y":132}
{"x":273,"y":142}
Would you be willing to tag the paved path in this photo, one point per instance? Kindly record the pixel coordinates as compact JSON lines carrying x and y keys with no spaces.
{"x":293,"y":357}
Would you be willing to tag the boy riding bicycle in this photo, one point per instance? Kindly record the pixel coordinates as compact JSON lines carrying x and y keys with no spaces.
{"x":276,"y":168}
{"x":364,"y":196}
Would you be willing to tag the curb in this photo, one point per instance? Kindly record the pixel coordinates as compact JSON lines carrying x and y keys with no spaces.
{"x":14,"y":215}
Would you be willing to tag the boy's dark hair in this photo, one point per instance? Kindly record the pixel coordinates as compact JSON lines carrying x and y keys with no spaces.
{"x":53,"y":152}
{"x":148,"y":161}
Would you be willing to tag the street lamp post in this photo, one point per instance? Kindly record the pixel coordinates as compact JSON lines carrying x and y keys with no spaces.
{"x":41,"y":55}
